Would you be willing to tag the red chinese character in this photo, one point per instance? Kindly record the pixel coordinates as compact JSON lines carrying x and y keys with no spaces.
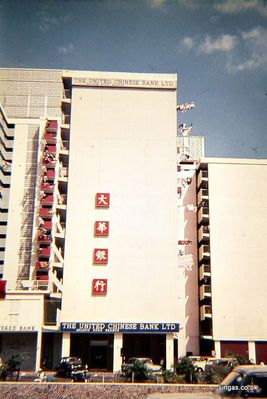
{"x":99,"y":286}
{"x":102,"y":200}
{"x":101,"y":228}
{"x":101,"y":255}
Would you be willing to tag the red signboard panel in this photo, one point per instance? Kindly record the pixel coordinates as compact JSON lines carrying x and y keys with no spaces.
{"x":102,"y":200}
{"x":99,"y":286}
{"x":101,"y":255}
{"x":101,"y":228}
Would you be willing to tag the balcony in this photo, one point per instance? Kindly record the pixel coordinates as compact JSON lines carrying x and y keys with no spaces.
{"x":57,"y":265}
{"x":60,"y":226}
{"x":62,"y":199}
{"x":202,"y":179}
{"x":47,"y":187}
{"x":32,"y":285}
{"x":52,"y":126}
{"x":203,"y":194}
{"x":63,"y":174}
{"x":47,"y":225}
{"x":44,"y":239}
{"x":51,"y":174}
{"x":42,"y":277}
{"x":64,"y":147}
{"x":205,"y":312}
{"x":45,"y":213}
{"x":204,"y":271}
{"x":49,"y":162}
{"x":66,"y":94}
{"x":51,"y":149}
{"x":42,"y":265}
{"x":66,"y":121}
{"x":204,"y":291}
{"x":203,"y":215}
{"x":47,"y":199}
{"x":58,"y":254}
{"x":203,"y":233}
{"x":50,"y":138}
{"x":44,"y":252}
{"x":203,"y":252}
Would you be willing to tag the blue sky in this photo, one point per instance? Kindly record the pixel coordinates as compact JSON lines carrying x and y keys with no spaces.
{"x":217,"y":48}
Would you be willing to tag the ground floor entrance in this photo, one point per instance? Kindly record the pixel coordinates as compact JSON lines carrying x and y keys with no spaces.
{"x":108,"y":351}
{"x":95,"y":350}
{"x":145,"y":345}
{"x":19,"y":345}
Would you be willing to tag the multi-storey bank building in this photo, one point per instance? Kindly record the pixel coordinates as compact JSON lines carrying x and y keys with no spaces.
{"x":89,"y":217}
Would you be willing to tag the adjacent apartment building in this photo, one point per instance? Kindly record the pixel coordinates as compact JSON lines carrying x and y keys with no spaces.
{"x":232,"y":222}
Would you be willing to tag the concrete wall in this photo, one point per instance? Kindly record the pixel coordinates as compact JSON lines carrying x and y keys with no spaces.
{"x":123,"y":142}
{"x":10,"y":390}
{"x":238,"y":224}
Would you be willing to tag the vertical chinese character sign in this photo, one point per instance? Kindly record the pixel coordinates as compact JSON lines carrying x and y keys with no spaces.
{"x":102,"y":200}
{"x":100,"y":256}
{"x":99,"y":286}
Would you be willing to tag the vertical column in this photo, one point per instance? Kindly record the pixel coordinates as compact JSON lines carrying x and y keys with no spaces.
{"x":65,"y":344}
{"x":217,"y":347}
{"x":169,"y":350}
{"x":252,"y":351}
{"x":38,"y":349}
{"x":182,"y":343}
{"x":117,"y":346}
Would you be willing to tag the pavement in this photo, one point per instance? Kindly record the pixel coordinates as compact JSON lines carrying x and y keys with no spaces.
{"x":203,"y":395}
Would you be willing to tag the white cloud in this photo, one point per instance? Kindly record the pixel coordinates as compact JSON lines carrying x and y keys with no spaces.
{"x":245,"y":51}
{"x":64,"y":50}
{"x":237,"y":6}
{"x":188,"y":42}
{"x":47,"y":21}
{"x":222,"y":43}
{"x":156,"y":3}
{"x":255,"y":44}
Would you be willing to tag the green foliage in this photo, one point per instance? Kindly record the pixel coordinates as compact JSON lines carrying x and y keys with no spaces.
{"x":170,"y":376}
{"x":11,"y":366}
{"x":185,"y":367}
{"x":211,"y":378}
{"x":237,"y":359}
{"x":139,"y":369}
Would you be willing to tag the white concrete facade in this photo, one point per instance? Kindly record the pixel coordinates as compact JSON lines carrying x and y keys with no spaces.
{"x":238,"y":251}
{"x":133,"y":159}
{"x":122,"y":142}
{"x":237,"y":195}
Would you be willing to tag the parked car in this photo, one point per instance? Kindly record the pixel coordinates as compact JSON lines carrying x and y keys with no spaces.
{"x":220,"y":366}
{"x":67,"y":365}
{"x":140,"y":366}
{"x":248,"y":381}
{"x":200,"y":362}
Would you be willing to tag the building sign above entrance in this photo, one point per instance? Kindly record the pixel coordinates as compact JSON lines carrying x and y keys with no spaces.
{"x":145,"y":83}
{"x":16,"y":328}
{"x":94,"y":327}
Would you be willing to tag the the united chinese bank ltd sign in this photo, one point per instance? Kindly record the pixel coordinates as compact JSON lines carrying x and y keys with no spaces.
{"x":94,"y":327}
